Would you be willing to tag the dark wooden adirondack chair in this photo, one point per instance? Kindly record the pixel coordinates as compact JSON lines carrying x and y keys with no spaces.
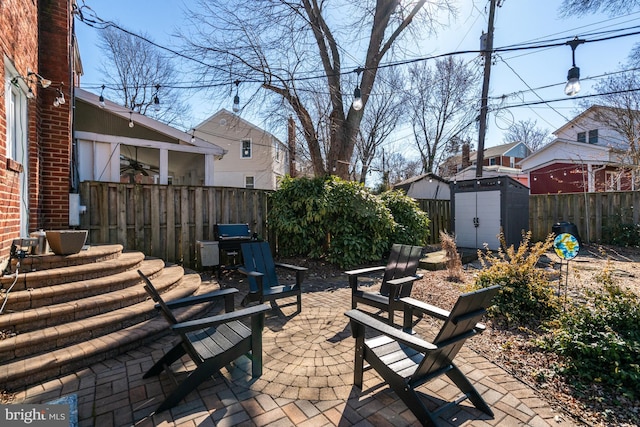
{"x":211,"y":342}
{"x":260,"y":270}
{"x":406,"y":361}
{"x":397,"y":281}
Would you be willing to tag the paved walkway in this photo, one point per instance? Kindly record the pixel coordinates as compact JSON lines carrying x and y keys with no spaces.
{"x":307,"y":381}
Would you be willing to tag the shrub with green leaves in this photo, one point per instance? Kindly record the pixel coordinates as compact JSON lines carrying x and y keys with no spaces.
{"x":527,"y":297}
{"x":601,"y":340}
{"x":412,"y":223}
{"x":329,"y":217}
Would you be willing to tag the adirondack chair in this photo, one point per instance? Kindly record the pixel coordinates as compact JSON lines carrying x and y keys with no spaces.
{"x":211,"y":342}
{"x":406,"y":361}
{"x":397,"y":281}
{"x":260,"y":270}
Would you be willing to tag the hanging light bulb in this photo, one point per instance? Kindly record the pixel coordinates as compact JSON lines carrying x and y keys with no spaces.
{"x":193,"y":136}
{"x":236,"y":99}
{"x":101,"y":99}
{"x":131,"y":120}
{"x":357,"y":99}
{"x":573,"y":76}
{"x":357,"y":95}
{"x":156,"y":100}
{"x":30,"y":94}
{"x":60,"y":97}
{"x":573,"y":82}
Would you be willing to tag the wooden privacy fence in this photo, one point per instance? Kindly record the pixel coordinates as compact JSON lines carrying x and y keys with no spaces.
{"x":165,"y":221}
{"x":439,"y":212}
{"x":592,"y":213}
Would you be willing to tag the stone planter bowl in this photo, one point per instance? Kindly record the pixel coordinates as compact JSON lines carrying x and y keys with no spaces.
{"x":66,"y":242}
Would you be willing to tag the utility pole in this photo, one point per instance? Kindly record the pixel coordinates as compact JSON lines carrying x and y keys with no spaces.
{"x":488,"y":49}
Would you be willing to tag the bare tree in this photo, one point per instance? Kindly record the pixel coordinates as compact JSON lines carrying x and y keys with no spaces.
{"x":526,"y":131}
{"x":584,"y":7}
{"x":137,"y":74}
{"x":386,"y":111}
{"x":443,"y":106}
{"x":282,"y":46}
{"x":620,"y":110}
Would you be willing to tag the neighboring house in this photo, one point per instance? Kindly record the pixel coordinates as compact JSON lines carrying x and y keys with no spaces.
{"x":117,"y":145}
{"x":491,"y":172}
{"x":425,"y":186}
{"x":40,"y":64}
{"x":255,"y":158}
{"x":585,"y":156}
{"x":504,"y":157}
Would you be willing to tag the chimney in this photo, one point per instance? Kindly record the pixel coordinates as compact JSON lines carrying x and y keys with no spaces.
{"x":465,"y":155}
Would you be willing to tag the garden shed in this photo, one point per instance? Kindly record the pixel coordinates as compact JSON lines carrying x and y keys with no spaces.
{"x":482,"y":207}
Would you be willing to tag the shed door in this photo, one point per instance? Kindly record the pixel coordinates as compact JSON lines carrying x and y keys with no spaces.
{"x":477,"y":219}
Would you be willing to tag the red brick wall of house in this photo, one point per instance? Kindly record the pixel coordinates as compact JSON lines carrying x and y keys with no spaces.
{"x":55,"y":122}
{"x":19,"y":45}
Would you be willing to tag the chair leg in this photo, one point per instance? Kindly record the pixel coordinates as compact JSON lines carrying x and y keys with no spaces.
{"x":410,"y":398}
{"x":469,"y":390}
{"x":171,"y":356}
{"x":203,"y":372}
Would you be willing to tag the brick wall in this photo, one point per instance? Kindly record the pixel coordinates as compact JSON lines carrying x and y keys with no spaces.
{"x":18,"y":41}
{"x":55,"y":122}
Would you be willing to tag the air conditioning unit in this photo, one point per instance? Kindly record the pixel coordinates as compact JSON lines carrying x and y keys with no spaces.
{"x":208,"y":253}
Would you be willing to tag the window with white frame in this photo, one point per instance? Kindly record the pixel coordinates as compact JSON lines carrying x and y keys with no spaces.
{"x":16,"y":119}
{"x":249,"y":182}
{"x":246,"y":148}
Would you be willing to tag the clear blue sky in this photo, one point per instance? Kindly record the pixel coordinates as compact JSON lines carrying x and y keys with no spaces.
{"x":517,"y":21}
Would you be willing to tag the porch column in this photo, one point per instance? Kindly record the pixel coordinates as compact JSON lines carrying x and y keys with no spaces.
{"x":164,"y":166}
{"x":208,"y":169}
{"x":590,"y":178}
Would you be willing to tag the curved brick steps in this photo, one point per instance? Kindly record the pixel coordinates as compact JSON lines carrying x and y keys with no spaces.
{"x":20,"y":301}
{"x":74,"y":314}
{"x":55,"y":276}
{"x":93,"y":297}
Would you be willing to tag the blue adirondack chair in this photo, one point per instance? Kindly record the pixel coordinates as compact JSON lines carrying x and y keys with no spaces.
{"x":264,"y":285}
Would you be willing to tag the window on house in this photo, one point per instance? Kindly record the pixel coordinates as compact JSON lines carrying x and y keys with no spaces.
{"x":276,"y":150}
{"x":582,"y":137}
{"x":612,"y":181}
{"x":249,"y":182}
{"x":246,"y":149}
{"x":593,"y":136}
{"x":16,"y":108}
{"x":492,"y":161}
{"x":512,"y":162}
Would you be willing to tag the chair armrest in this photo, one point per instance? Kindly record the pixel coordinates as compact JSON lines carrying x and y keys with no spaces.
{"x":412,"y":341}
{"x":366,"y":270}
{"x":404,"y":280}
{"x":197,"y":299}
{"x":423,"y":307}
{"x":290,"y":266}
{"x":206,"y":322}
{"x":412,"y":304}
{"x":249,"y":273}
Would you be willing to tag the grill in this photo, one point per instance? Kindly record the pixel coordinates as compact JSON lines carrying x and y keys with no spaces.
{"x":230,"y":237}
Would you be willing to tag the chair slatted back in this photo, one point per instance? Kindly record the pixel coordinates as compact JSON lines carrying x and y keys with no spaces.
{"x":466,"y":313}
{"x":257,"y":257}
{"x":155,"y":295}
{"x":403,"y":262}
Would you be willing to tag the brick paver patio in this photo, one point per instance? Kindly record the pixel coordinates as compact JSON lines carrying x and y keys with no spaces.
{"x":307,"y":381}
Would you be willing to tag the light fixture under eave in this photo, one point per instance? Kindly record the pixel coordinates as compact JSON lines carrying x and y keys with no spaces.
{"x":131,"y":120}
{"x":573,"y":76}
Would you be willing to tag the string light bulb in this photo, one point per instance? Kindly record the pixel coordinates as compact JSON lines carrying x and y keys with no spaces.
{"x":60,"y":98}
{"x":131,"y":119}
{"x":193,"y":136}
{"x":101,"y":99}
{"x":156,"y":100}
{"x":45,"y":83}
{"x":236,"y":98}
{"x":357,"y":95}
{"x":573,"y":76}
